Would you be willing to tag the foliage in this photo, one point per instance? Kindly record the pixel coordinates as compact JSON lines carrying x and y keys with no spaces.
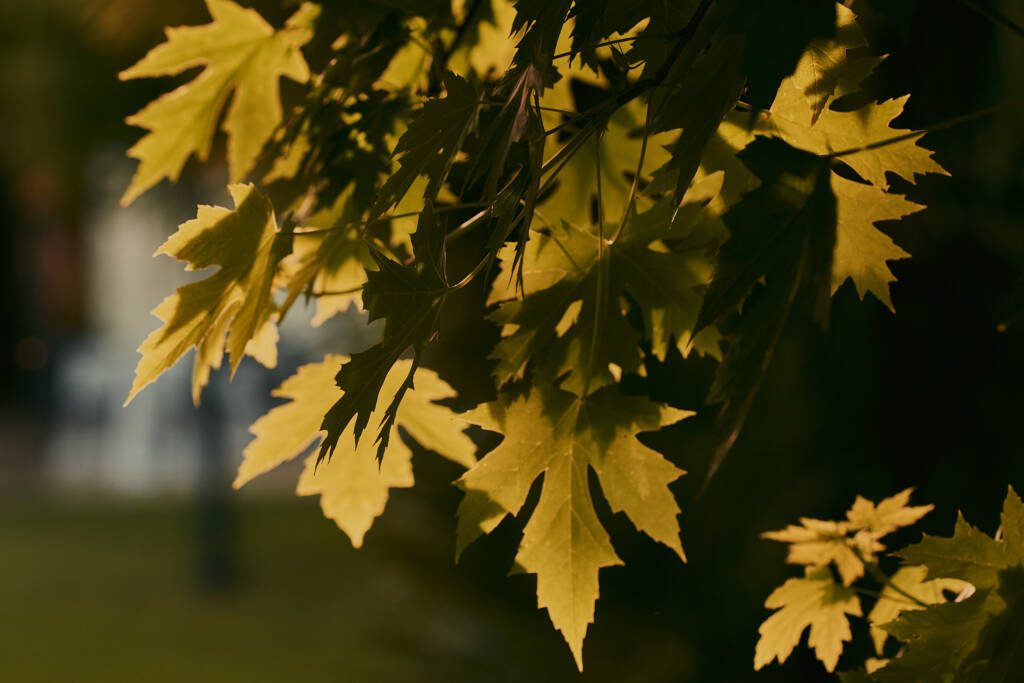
{"x":627,"y":179}
{"x":971,"y":637}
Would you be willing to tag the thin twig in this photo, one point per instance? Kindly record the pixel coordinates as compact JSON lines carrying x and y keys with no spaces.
{"x":340,"y":292}
{"x":642,"y":36}
{"x":631,"y":201}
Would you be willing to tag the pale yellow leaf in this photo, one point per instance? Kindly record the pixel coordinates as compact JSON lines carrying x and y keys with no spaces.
{"x":241,"y":54}
{"x":889,"y":515}
{"x":352,"y":486}
{"x":236,"y":299}
{"x":891,"y":602}
{"x":814,"y":600}
{"x":561,"y":436}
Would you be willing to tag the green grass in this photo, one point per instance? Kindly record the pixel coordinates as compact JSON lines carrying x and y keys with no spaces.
{"x":109,"y":591}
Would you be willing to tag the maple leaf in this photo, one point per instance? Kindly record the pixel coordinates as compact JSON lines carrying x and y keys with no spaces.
{"x":247,"y":245}
{"x":970,"y":554}
{"x":836,"y":131}
{"x":886,"y":517}
{"x":572,"y":318}
{"x":862,"y":250}
{"x":561,"y":436}
{"x":939,"y":639}
{"x":331,"y":263}
{"x":893,"y":600}
{"x":777,"y":33}
{"x":818,"y":542}
{"x":823,"y":64}
{"x":353,"y":488}
{"x":428,"y":147}
{"x":798,"y":117}
{"x":409,"y":298}
{"x":814,"y":600}
{"x":976,"y":637}
{"x":240,"y":52}
{"x":616,"y":158}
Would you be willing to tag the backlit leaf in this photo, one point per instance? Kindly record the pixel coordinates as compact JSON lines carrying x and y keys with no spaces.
{"x":814,"y":600}
{"x":247,"y":245}
{"x":352,"y":486}
{"x":561,"y":436}
{"x":241,"y":54}
{"x":892,"y":602}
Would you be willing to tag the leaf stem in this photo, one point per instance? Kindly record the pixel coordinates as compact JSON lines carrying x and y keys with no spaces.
{"x":339,"y":292}
{"x":631,"y":201}
{"x":391,"y":216}
{"x":881,"y":577}
{"x":642,"y":36}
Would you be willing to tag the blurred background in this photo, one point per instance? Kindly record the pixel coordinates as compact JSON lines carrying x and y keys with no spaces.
{"x":125,"y":556}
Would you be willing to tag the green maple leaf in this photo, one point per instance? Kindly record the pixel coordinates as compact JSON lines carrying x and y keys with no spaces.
{"x":409,"y":299}
{"x":561,"y":436}
{"x":573,"y":319}
{"x":247,"y":246}
{"x":939,"y":640}
{"x":976,"y":638}
{"x":862,"y":250}
{"x":970,"y":554}
{"x":353,"y":487}
{"x":428,"y":147}
{"x":814,"y":600}
{"x":241,"y":53}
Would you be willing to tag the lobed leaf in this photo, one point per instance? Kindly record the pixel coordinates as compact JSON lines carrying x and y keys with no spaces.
{"x":242,"y":54}
{"x":353,"y":486}
{"x":817,"y":601}
{"x":561,"y":436}
{"x":247,"y":245}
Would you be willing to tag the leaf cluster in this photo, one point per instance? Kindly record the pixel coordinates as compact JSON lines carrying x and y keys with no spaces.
{"x":954,"y":607}
{"x":627,"y":179}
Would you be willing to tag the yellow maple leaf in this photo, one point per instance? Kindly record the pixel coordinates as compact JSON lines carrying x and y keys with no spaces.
{"x":893,"y":598}
{"x":814,"y":600}
{"x":353,"y":489}
{"x":817,"y":543}
{"x":247,"y":245}
{"x":888,"y":516}
{"x":242,"y":53}
{"x":561,"y":436}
